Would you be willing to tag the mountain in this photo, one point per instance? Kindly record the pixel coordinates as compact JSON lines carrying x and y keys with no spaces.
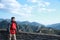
{"x":4,"y":24}
{"x":1,"y":20}
{"x":25,"y":26}
{"x":36,"y":24}
{"x":55,"y":26}
{"x":32,"y":27}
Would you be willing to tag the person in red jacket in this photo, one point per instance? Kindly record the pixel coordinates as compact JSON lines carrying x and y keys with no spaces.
{"x":13,"y":29}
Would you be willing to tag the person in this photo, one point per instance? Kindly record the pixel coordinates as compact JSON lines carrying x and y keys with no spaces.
{"x":12,"y":29}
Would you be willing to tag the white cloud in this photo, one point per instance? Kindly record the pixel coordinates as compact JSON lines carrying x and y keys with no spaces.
{"x":47,"y":3}
{"x":14,"y":7}
{"x":40,"y":2}
{"x":51,"y":10}
{"x":42,"y":6}
{"x":32,"y":1}
{"x":46,"y":10}
{"x":1,"y":6}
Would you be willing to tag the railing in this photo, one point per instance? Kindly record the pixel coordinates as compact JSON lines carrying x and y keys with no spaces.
{"x":29,"y":36}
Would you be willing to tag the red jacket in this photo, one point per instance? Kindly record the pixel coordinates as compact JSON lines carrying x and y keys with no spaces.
{"x":13,"y":28}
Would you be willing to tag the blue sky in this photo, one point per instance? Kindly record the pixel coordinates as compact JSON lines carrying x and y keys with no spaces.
{"x":42,"y":11}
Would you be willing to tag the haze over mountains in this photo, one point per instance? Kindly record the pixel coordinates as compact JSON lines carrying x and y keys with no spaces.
{"x":55,"y":26}
{"x":35,"y":27}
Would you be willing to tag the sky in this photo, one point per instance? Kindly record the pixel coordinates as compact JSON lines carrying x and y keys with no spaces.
{"x":42,"y":11}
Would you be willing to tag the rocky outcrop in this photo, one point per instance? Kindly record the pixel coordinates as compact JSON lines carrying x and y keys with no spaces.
{"x":29,"y":36}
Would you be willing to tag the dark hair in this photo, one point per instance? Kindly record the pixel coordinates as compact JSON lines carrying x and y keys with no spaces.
{"x":12,"y":18}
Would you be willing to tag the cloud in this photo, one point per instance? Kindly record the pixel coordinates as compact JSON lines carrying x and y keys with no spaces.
{"x":47,"y":3}
{"x":39,"y":2}
{"x":12,"y":6}
{"x":51,"y":10}
{"x":1,"y":6}
{"x":42,"y":6}
{"x":46,"y":10}
{"x":32,"y":1}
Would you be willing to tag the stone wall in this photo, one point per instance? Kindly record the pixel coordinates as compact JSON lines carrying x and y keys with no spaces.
{"x":29,"y":36}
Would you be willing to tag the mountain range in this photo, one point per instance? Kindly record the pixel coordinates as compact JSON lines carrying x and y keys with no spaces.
{"x":27,"y":26}
{"x":55,"y":26}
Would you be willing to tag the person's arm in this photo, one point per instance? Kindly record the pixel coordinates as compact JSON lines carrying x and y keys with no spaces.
{"x":9,"y":27}
{"x":17,"y":27}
